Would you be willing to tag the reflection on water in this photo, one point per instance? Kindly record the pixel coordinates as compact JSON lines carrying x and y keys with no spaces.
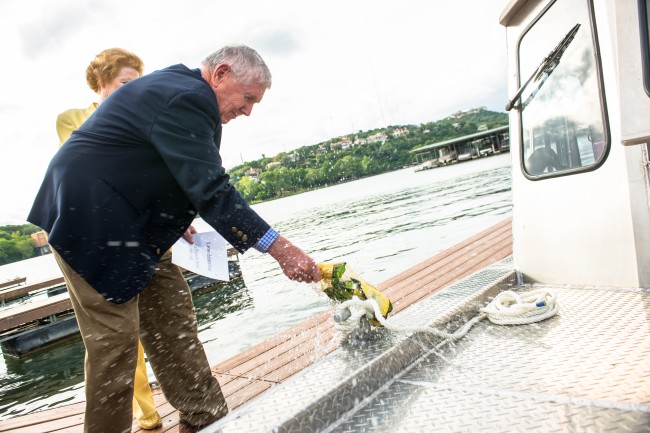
{"x":381,"y":225}
{"x":45,"y":378}
{"x":53,"y":376}
{"x":212,"y":304}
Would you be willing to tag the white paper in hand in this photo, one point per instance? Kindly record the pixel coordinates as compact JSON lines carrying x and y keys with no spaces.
{"x":207,"y":256}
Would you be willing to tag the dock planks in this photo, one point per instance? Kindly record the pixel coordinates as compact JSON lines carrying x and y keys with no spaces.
{"x":19,"y":291}
{"x":46,"y":307}
{"x":250,"y":373}
{"x":12,"y":283}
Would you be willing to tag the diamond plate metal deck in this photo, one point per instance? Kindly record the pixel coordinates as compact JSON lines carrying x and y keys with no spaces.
{"x":585,"y":370}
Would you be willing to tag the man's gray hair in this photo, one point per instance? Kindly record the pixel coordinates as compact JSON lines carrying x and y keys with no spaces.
{"x":246,"y":64}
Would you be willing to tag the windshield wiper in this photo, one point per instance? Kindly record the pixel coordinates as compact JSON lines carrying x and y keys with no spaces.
{"x":544,"y":70}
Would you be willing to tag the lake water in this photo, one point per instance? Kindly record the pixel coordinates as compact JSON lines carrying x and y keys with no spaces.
{"x":380,"y":225}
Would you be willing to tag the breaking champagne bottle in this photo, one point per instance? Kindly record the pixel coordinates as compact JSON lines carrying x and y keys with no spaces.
{"x":340,"y":283}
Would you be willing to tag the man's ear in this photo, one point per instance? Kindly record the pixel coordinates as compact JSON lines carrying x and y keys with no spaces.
{"x":220,"y":72}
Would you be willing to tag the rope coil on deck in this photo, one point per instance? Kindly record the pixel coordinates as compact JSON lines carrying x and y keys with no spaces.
{"x":507,"y":308}
{"x":511,"y":308}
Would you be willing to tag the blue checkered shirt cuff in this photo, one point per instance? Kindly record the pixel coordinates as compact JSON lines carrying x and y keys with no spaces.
{"x":263,"y":244}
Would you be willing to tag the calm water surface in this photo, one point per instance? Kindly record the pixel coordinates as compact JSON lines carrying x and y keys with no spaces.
{"x":381,"y":225}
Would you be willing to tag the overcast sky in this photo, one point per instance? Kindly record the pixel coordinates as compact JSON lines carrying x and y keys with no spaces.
{"x":339,"y":66}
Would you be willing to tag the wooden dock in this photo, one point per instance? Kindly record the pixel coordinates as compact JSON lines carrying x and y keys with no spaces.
{"x":12,"y":283}
{"x":17,"y":290}
{"x":46,"y":307}
{"x":250,"y":373}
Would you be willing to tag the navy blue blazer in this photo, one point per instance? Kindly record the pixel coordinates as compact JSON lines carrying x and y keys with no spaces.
{"x":130,"y":180}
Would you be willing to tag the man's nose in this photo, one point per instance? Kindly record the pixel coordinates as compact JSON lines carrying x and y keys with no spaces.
{"x":247,"y":109}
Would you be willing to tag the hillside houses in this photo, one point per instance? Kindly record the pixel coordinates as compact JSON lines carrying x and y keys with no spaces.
{"x":343,"y":143}
{"x":461,"y":113}
{"x":346,"y":142}
{"x":340,"y":143}
{"x":385,"y":141}
{"x":400,"y":132}
{"x":360,"y":154}
{"x":253,"y":173}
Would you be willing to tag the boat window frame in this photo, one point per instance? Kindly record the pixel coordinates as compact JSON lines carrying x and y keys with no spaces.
{"x":644,"y":19}
{"x":601,"y":93}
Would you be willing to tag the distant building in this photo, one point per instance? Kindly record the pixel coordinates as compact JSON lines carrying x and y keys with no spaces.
{"x":343,"y":143}
{"x":461,"y":113}
{"x":253,"y":173}
{"x":478,"y":144}
{"x":400,"y":132}
{"x":380,"y":136}
{"x":40,"y":243}
{"x":358,"y":141}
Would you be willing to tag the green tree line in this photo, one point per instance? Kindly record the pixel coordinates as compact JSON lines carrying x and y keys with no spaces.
{"x":16,"y":243}
{"x":327,"y":163}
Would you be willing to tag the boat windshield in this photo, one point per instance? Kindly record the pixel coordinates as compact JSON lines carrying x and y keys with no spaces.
{"x":562,"y":113}
{"x":545,"y":69}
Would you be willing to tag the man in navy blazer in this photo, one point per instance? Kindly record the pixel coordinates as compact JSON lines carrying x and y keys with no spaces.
{"x":118,"y":194}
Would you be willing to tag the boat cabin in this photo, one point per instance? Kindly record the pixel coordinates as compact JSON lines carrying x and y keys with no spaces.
{"x":579,"y":89}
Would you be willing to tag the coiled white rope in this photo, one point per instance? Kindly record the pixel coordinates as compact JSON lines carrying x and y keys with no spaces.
{"x":507,"y":308}
{"x":512,"y":308}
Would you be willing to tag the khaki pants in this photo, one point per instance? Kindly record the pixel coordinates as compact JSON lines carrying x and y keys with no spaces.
{"x":163,"y":318}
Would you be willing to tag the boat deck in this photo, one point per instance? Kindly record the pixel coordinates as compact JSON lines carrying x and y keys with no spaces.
{"x":275,"y":361}
{"x":586,"y":369}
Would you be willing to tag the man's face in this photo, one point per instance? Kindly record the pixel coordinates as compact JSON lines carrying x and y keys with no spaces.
{"x":236,"y":99}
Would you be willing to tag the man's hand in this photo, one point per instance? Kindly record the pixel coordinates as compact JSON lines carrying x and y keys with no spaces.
{"x":295,"y":264}
{"x":188,"y":234}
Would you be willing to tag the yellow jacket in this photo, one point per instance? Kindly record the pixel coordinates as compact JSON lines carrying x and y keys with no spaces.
{"x":71,"y":120}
